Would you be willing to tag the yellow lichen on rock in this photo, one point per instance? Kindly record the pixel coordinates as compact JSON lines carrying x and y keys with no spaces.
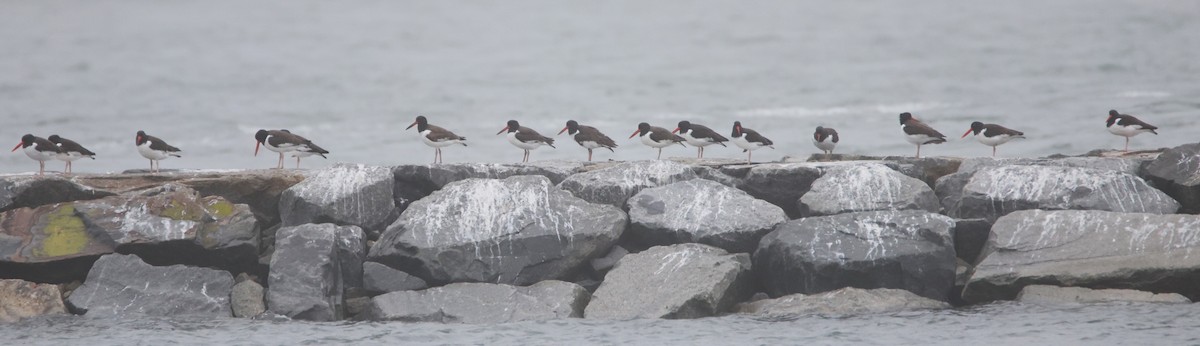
{"x":65,"y":233}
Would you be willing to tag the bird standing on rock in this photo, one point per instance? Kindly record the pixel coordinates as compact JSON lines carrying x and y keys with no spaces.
{"x":992,"y":134}
{"x":749,"y":140}
{"x":916,"y":132}
{"x":436,"y":137}
{"x":284,"y":141}
{"x":699,"y":136}
{"x":154,"y":149}
{"x":71,"y":151}
{"x":1127,"y":126}
{"x":588,"y":137}
{"x":657,"y":137}
{"x":826,"y":139}
{"x":525,"y":138}
{"x":39,"y":149}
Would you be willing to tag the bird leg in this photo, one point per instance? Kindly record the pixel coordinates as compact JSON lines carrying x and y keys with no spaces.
{"x":1126,"y":144}
{"x":297,"y":162}
{"x":918,"y":151}
{"x":659,"y":154}
{"x":993,"y":151}
{"x":589,"y":155}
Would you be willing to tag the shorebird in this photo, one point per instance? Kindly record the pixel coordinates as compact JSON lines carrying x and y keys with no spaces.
{"x":826,"y":139}
{"x":1127,"y":126}
{"x":284,"y":141}
{"x":656,"y":137}
{"x":699,"y":136}
{"x":916,"y":132}
{"x":39,"y":149}
{"x":749,"y":140}
{"x":71,"y":151}
{"x":154,"y":149}
{"x":992,"y":134}
{"x":525,"y":138}
{"x":436,"y":137}
{"x":588,"y":137}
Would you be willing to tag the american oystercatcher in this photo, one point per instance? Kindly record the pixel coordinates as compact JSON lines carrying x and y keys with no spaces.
{"x":284,"y":141}
{"x":588,"y":137}
{"x":657,"y":137}
{"x":154,"y":149}
{"x":1126,"y":125}
{"x":525,"y":138}
{"x":916,"y":132}
{"x":749,"y":140}
{"x":699,"y":136}
{"x":71,"y":151}
{"x":825,"y":139}
{"x":436,"y":137}
{"x":39,"y":149}
{"x":992,"y":134}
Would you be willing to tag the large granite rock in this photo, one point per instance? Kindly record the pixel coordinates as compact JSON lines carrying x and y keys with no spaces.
{"x":378,"y":278}
{"x":1094,"y":249}
{"x":519,"y":230}
{"x":247,"y":299}
{"x":949,"y":188}
{"x":1043,"y":294}
{"x":701,"y":211}
{"x":123,"y":284}
{"x":414,"y":182}
{"x":926,"y":169}
{"x":49,"y":244}
{"x":780,"y":184}
{"x":614,"y":184}
{"x":865,"y":187}
{"x":29,"y":191}
{"x":840,"y":302}
{"x":970,"y":237}
{"x":307,"y":279}
{"x":676,"y":282}
{"x":994,"y":192}
{"x":23,"y":299}
{"x":478,"y":303}
{"x":1177,"y":172}
{"x":911,"y":250}
{"x":343,"y":194}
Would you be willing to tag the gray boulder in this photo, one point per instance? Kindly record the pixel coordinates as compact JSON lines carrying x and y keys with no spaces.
{"x":911,"y":250}
{"x":949,"y":191}
{"x":1085,"y":248}
{"x":519,"y":230}
{"x":123,"y":284}
{"x":701,"y":211}
{"x":247,"y":297}
{"x":994,"y":192}
{"x":414,"y":182}
{"x":970,"y":237}
{"x":1043,"y":294}
{"x":21,"y":299}
{"x":675,"y":282}
{"x":29,"y":191}
{"x":865,"y":187}
{"x":781,"y":184}
{"x":926,"y":169}
{"x":343,"y":194}
{"x":613,"y":185}
{"x":841,"y":302}
{"x":479,"y":303}
{"x":379,"y":278}
{"x":1132,"y":166}
{"x":1177,"y":172}
{"x":307,"y":280}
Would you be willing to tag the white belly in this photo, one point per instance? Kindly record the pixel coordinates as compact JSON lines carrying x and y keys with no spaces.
{"x":741,"y":142}
{"x":918,"y":139}
{"x":687,"y":137}
{"x":647,"y":141}
{"x":71,"y":156}
{"x":512,"y":138}
{"x":32,"y":152}
{"x":303,"y":154}
{"x":1126,"y":131}
{"x":446,"y":143}
{"x":993,"y":141}
{"x":590,"y":145}
{"x":152,"y":154}
{"x":827,"y":145}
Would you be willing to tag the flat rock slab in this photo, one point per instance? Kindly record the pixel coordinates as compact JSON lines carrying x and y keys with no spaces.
{"x":994,"y":192}
{"x":781,"y":184}
{"x":480,"y":303}
{"x":1043,"y":294}
{"x":1177,"y":172}
{"x":911,"y":250}
{"x":29,"y":191}
{"x":344,"y":194}
{"x":519,"y":230}
{"x":308,"y":271}
{"x":379,"y":278}
{"x":613,"y":185}
{"x":1094,"y":249}
{"x":414,"y":182}
{"x":675,"y":282}
{"x":23,"y":299}
{"x":841,"y":302}
{"x":865,"y":187}
{"x":260,"y":189}
{"x":123,"y":284}
{"x":701,"y":211}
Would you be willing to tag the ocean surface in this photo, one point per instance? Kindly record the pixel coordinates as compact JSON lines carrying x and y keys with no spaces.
{"x":205,"y":75}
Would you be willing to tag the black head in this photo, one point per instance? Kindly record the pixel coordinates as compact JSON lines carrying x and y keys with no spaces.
{"x":1113,"y":113}
{"x":421,"y":123}
{"x":27,"y":140}
{"x":261,"y":136}
{"x":905,"y":117}
{"x":820,"y":129}
{"x":54,"y":139}
{"x":737,"y":128}
{"x":685,"y":125}
{"x":141,"y":137}
{"x":571,"y":128}
{"x":642,"y":130}
{"x":976,"y":127}
{"x":512,"y":126}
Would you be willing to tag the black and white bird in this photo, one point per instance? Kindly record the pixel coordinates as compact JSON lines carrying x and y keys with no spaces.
{"x":525,"y":138}
{"x":436,"y":137}
{"x":749,"y":140}
{"x":588,"y":137}
{"x":657,"y":137}
{"x":992,"y":135}
{"x":916,"y":132}
{"x":699,"y":136}
{"x":39,"y":149}
{"x":1127,"y":126}
{"x":825,"y":138}
{"x":284,"y":142}
{"x":71,"y":151}
{"x":154,"y":149}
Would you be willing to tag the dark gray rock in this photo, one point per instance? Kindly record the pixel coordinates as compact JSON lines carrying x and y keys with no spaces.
{"x":701,"y":211}
{"x":604,"y":264}
{"x":927,"y":169}
{"x":518,"y":230}
{"x":865,"y":187}
{"x":21,"y":299}
{"x":1132,"y":166}
{"x":306,"y":280}
{"x":970,"y":236}
{"x":352,"y":252}
{"x":29,"y":191}
{"x":1085,"y":248}
{"x":247,"y":297}
{"x":1177,"y":172}
{"x":478,"y":303}
{"x":123,"y":284}
{"x":675,"y":282}
{"x":911,"y":250}
{"x":841,"y":302}
{"x":781,"y":184}
{"x":379,"y":278}
{"x":614,"y":184}
{"x":414,"y":182}
{"x":994,"y":192}
{"x":343,"y":194}
{"x":1043,"y":294}
{"x":949,"y":191}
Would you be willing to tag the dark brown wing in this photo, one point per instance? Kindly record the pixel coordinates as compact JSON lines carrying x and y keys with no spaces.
{"x":588,"y":133}
{"x":526,"y":134}
{"x":753,"y":137}
{"x":158,"y":144}
{"x":69,"y":146}
{"x":659,"y":134}
{"x":1128,"y":120}
{"x":701,"y":131}
{"x":914,"y":127}
{"x":438,"y":134}
{"x":993,"y":130}
{"x":46,"y":145}
{"x":825,"y":133}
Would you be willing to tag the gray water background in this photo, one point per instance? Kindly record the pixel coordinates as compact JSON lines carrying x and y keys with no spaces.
{"x":205,"y":75}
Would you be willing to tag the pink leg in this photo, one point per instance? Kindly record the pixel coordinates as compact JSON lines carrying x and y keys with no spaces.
{"x":918,"y":151}
{"x":297,"y":162}
{"x":589,"y":155}
{"x":1127,"y":144}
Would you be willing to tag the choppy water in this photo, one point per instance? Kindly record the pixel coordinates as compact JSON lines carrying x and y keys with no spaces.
{"x":204,"y":75}
{"x":996,"y":324}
